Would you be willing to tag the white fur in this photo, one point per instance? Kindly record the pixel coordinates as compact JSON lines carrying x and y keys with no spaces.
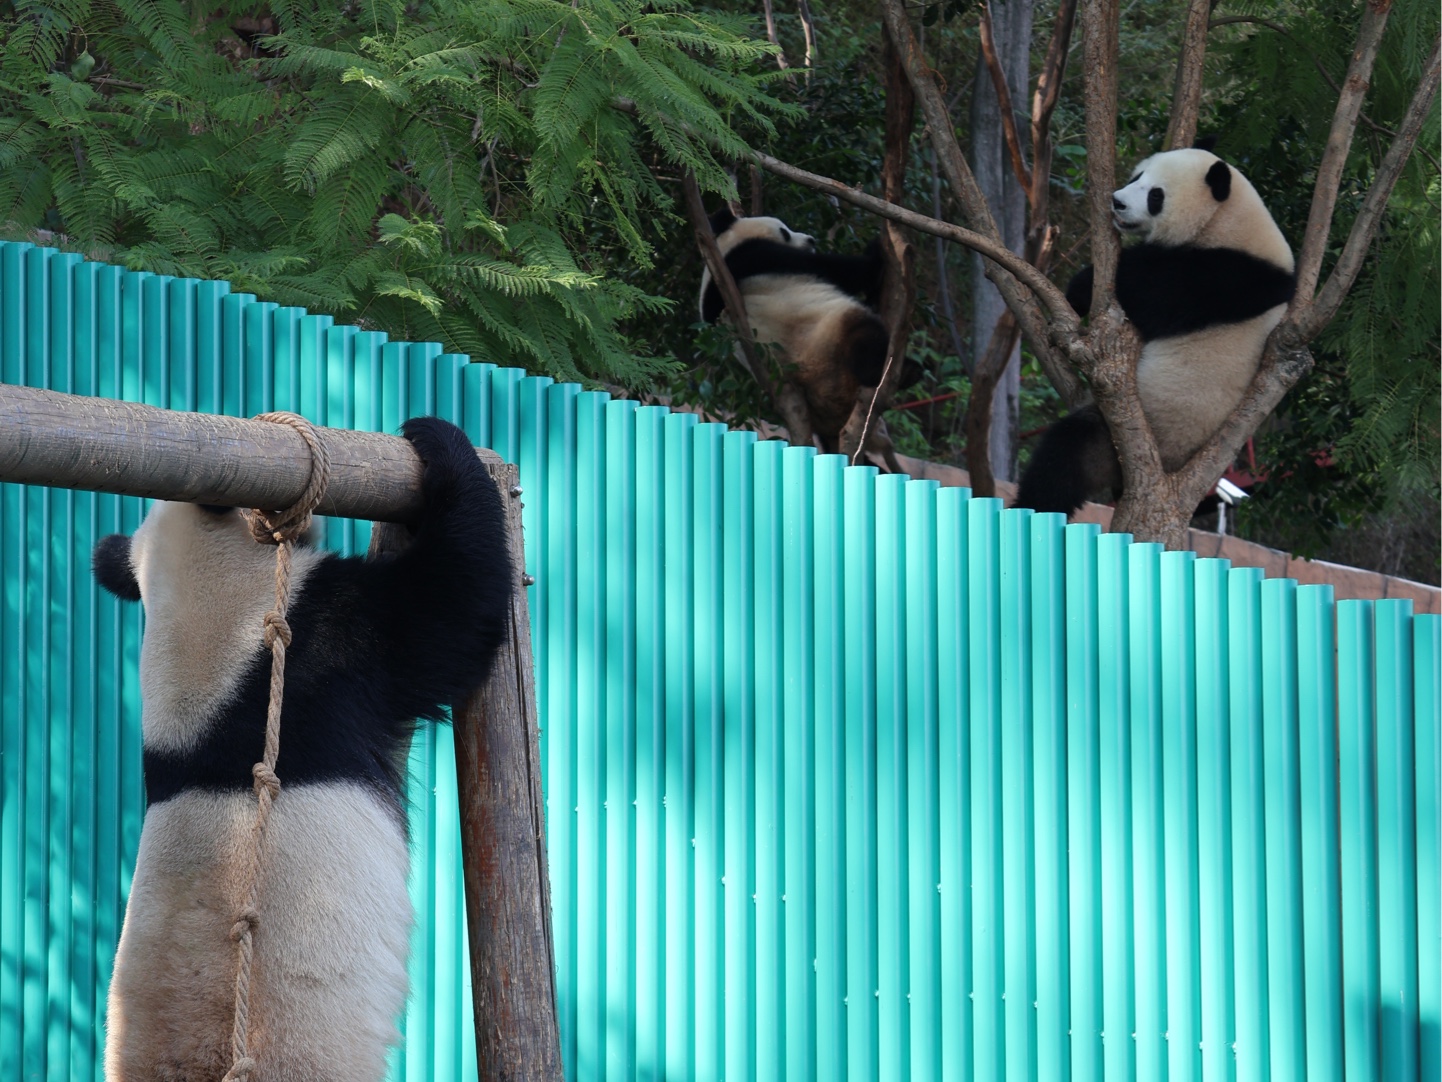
{"x":207,"y":586}
{"x":1189,"y":384}
{"x":329,"y":973}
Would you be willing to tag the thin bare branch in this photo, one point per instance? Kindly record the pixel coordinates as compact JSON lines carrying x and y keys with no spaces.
{"x":1339,"y":283}
{"x":808,"y":30}
{"x":1187,"y":92}
{"x":771,"y":34}
{"x":1049,"y":296}
{"x":1339,"y":142}
{"x":1043,"y":105}
{"x":973,"y":206}
{"x":1003,"y":100}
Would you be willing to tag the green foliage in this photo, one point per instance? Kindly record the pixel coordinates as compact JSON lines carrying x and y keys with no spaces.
{"x":464,"y":172}
{"x":1370,"y":409}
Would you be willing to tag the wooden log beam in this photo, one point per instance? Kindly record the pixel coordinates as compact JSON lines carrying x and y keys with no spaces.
{"x":70,"y":441}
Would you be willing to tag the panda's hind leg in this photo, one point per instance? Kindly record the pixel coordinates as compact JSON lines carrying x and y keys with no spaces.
{"x":861,"y":345}
{"x":1074,"y":461}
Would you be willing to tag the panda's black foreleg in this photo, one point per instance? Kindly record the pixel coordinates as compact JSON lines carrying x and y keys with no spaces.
{"x":442,"y":605}
{"x":1074,"y":461}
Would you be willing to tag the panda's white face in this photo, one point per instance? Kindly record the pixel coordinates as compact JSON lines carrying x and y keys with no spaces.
{"x":763,"y":228}
{"x":1168,"y":199}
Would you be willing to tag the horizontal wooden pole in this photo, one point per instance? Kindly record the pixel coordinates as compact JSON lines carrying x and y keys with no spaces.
{"x":70,"y":441}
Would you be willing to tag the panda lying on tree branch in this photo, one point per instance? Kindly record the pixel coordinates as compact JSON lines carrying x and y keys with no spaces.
{"x":1209,"y":281}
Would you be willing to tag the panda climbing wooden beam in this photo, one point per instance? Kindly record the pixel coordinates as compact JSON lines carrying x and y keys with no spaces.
{"x":69,"y":441}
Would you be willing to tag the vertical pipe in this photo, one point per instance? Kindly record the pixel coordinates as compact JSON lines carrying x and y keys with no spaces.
{"x":1084,"y":804}
{"x":1396,"y":839}
{"x":619,"y":734}
{"x":1049,"y":793}
{"x":233,"y":361}
{"x":770,"y":948}
{"x":923,"y":764}
{"x":59,"y":717}
{"x":1320,"y":844}
{"x":859,"y":615}
{"x":833,"y":1007}
{"x":984,"y":664}
{"x":1282,"y":799}
{"x":709,"y":835}
{"x":651,"y":515}
{"x":1018,"y":855}
{"x":1427,"y":669}
{"x":953,"y":736}
{"x":1115,"y":788}
{"x":680,"y":797}
{"x":592,"y":647}
{"x":1357,"y":747}
{"x":892,"y":868}
{"x":1149,"y":802}
{"x":1179,"y":749}
{"x":1249,"y":840}
{"x":258,"y":394}
{"x":798,"y":669}
{"x":751,"y":889}
{"x":562,"y":648}
{"x":1214,"y":821}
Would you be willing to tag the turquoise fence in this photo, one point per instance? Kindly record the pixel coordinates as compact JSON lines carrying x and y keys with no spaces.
{"x":847,"y":776}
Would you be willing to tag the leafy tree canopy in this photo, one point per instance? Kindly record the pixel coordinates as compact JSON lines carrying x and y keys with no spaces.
{"x":440,"y":170}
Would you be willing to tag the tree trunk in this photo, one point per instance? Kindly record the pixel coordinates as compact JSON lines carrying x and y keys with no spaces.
{"x":1011,"y":27}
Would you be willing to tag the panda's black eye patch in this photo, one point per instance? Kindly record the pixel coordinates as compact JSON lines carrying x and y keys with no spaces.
{"x":1155,"y":197}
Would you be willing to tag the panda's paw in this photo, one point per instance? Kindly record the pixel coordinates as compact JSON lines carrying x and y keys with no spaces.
{"x":446,"y":453}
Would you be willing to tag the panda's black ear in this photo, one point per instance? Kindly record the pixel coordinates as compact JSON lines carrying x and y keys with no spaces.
{"x":1219,"y":179}
{"x":111,"y":563}
{"x":721,"y":221}
{"x":1205,"y":142}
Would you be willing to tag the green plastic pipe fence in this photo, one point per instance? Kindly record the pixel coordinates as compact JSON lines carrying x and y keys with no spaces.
{"x":847,"y":777}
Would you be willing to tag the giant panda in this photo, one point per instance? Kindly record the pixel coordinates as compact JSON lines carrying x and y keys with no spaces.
{"x":806,"y":303}
{"x":377,"y":644}
{"x":1210,"y":279}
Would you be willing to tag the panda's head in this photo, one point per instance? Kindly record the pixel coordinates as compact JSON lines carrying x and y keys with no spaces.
{"x":180,"y":553}
{"x":731,"y":231}
{"x":1193,"y":197}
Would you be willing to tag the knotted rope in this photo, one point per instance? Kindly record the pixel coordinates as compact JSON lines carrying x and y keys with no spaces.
{"x":279,"y":529}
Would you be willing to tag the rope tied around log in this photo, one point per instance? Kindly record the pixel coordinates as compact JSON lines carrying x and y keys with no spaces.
{"x":281,"y":529}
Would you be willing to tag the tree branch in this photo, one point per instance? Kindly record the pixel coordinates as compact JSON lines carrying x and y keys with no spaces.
{"x":1052,"y":298}
{"x":1187,"y":93}
{"x":1100,"y":19}
{"x":1339,"y":142}
{"x":968,"y":196}
{"x":1003,"y":100}
{"x":1043,"y":105}
{"x":1313,"y":319}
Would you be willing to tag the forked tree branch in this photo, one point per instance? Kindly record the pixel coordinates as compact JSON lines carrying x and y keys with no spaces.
{"x":1043,"y":105}
{"x":1043,"y":338}
{"x":1339,"y":142}
{"x":1003,"y":100}
{"x":1321,"y":312}
{"x":1187,"y":92}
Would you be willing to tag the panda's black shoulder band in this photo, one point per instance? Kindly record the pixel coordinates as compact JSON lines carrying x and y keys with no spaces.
{"x":1168,"y":291}
{"x":849,"y":273}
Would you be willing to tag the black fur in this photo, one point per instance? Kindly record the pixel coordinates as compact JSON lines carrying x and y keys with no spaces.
{"x":856,"y":275}
{"x":110,"y":561}
{"x":1074,"y":462}
{"x":376,"y":644}
{"x":1219,"y":179}
{"x":1167,"y":291}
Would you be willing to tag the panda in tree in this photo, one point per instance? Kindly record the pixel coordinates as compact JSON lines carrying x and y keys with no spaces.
{"x":1210,"y":279}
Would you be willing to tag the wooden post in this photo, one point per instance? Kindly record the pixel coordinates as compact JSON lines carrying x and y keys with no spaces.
{"x":69,"y":441}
